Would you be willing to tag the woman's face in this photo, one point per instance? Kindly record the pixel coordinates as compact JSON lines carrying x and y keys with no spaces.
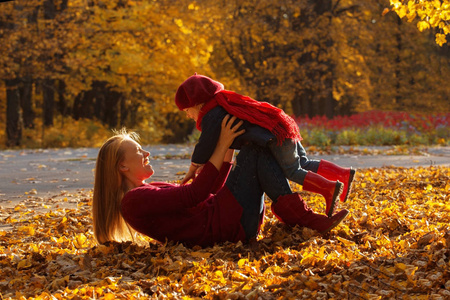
{"x":136,"y":164}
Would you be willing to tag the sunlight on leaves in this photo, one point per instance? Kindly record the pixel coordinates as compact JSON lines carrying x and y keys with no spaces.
{"x":395,"y":244}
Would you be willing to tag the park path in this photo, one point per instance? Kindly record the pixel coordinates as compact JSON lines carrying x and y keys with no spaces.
{"x":64,"y":173}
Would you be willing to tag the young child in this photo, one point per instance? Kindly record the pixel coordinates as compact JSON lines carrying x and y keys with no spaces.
{"x":207,"y":102}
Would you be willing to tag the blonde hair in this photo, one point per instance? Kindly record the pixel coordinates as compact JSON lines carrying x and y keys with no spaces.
{"x":109,"y":189}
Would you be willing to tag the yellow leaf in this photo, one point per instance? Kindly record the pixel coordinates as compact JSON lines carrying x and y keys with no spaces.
{"x":27,"y":230}
{"x":423,"y":25}
{"x":201,"y":254}
{"x":23,"y":264}
{"x":440,"y":39}
{"x":312,"y":284}
{"x":401,"y":12}
{"x":242,"y":262}
{"x":346,"y":242}
{"x":80,"y":240}
{"x":238,"y":276}
{"x":109,"y":296}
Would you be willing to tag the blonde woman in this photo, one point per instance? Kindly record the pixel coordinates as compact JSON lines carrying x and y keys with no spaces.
{"x":219,"y":205}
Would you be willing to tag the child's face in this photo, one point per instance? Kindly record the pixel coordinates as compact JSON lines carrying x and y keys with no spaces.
{"x":192,"y":112}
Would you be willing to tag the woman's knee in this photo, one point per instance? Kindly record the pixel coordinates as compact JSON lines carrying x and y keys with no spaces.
{"x":272,"y":178}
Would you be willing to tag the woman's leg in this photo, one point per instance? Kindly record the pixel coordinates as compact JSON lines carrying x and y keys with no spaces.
{"x":244,"y":184}
{"x":271,"y":176}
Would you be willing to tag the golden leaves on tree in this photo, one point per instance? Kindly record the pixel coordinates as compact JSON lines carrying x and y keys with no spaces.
{"x":432,"y":14}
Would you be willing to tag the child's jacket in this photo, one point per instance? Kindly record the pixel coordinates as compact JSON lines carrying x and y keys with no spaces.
{"x":211,"y":126}
{"x":263,"y":121}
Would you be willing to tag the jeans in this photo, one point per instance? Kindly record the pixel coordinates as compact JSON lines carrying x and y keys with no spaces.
{"x":255,"y":172}
{"x":291,"y":156}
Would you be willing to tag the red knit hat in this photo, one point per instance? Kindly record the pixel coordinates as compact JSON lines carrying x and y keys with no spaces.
{"x":195,"y":90}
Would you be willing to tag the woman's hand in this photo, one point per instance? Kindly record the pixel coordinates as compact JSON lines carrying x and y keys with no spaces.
{"x":228,"y":133}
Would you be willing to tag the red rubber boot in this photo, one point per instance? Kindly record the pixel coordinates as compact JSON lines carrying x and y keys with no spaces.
{"x":292,"y":210}
{"x":330,"y":190}
{"x":334,"y":172}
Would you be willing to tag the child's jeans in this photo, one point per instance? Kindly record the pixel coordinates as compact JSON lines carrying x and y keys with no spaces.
{"x":291,"y":156}
{"x":255,"y":172}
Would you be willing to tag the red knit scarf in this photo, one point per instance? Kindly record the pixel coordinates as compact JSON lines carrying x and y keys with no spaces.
{"x":255,"y":112}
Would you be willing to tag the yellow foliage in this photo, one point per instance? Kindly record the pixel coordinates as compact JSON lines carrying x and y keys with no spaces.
{"x":440,"y":39}
{"x":433,"y":13}
{"x":423,"y":25}
{"x":394,"y":245}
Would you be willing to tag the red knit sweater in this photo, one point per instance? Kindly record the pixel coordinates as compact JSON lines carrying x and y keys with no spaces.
{"x":202,"y":213}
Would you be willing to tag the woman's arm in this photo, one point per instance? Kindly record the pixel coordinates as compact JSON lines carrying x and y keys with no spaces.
{"x":229,"y":155}
{"x":224,"y":171}
{"x":147,"y":200}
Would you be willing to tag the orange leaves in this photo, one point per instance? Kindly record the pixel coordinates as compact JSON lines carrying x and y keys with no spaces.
{"x":395,"y":244}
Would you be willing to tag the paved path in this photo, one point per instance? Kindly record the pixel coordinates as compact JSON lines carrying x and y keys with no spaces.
{"x":60,"y":172}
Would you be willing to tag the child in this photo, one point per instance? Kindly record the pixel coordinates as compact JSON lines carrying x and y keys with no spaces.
{"x":207,"y":102}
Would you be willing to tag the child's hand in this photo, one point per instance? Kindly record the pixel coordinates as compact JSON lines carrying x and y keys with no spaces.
{"x":187,"y":177}
{"x":191,"y":173}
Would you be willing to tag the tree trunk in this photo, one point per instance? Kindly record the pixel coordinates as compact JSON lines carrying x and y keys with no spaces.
{"x":49,"y":101}
{"x":49,"y":9}
{"x":317,"y":98}
{"x":398,"y":60}
{"x":303,"y":105}
{"x":112,"y":108}
{"x":63,"y":108}
{"x":83,"y":105}
{"x":13,"y":114}
{"x":123,"y":111}
{"x":326,"y":101}
{"x":99,"y":94}
{"x":329,"y":104}
{"x":25,"y":92}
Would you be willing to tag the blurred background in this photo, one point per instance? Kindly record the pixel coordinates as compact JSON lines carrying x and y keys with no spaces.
{"x":350,"y":72}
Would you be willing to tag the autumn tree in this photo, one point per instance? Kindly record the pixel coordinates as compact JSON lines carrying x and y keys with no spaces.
{"x":17,"y":21}
{"x":372,"y":61}
{"x":119,"y":63}
{"x":116,"y":62}
{"x":405,"y":68}
{"x":432,"y":14}
{"x":290,"y":53}
{"x":135,"y":53}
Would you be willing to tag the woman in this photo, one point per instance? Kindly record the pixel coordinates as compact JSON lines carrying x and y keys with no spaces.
{"x":218,"y":206}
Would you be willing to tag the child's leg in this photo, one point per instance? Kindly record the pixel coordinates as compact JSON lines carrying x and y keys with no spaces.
{"x":328,"y":170}
{"x":305,"y":163}
{"x":290,"y":156}
{"x":289,"y":207}
{"x":289,"y":159}
{"x":332,"y":171}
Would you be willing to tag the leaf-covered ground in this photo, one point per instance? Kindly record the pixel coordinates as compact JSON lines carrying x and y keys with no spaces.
{"x":394,"y":245}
